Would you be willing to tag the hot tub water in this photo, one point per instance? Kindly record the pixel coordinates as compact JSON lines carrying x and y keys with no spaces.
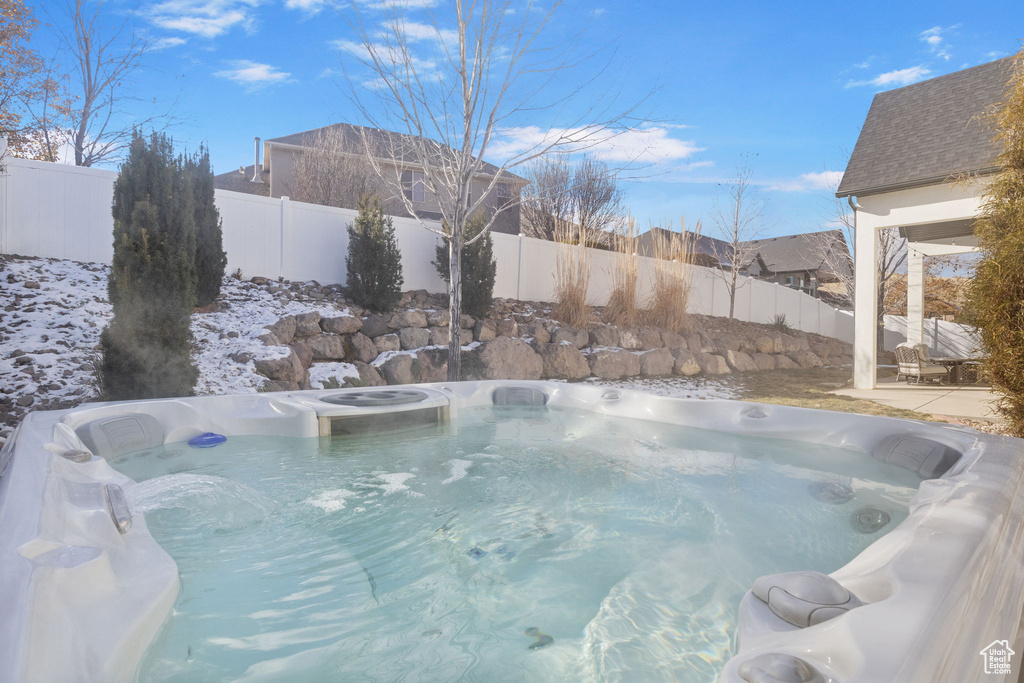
{"x":448,"y":552}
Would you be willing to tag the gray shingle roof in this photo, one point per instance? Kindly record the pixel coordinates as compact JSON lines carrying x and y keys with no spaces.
{"x":927,"y":132}
{"x":384,"y":144}
{"x":807,"y":251}
{"x":239,"y":182}
{"x":703,"y":244}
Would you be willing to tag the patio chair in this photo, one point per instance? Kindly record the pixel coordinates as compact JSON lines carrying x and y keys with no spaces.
{"x":911,"y":365}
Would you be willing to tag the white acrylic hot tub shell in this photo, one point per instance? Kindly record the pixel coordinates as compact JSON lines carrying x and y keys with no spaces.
{"x":82,"y":602}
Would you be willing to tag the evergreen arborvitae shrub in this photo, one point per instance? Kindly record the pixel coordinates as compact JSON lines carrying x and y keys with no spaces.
{"x":152,"y":284}
{"x":374,"y":262}
{"x":996,"y":294}
{"x":478,"y":269}
{"x":210,"y":257}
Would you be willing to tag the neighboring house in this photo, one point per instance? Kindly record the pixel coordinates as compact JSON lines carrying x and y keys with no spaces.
{"x":276,"y":175}
{"x":707,"y":251}
{"x":922,"y":164}
{"x":801,"y":261}
{"x":797,"y":261}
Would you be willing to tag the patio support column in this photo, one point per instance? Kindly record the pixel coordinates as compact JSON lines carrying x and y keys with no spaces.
{"x":915,"y":296}
{"x":865,"y":312}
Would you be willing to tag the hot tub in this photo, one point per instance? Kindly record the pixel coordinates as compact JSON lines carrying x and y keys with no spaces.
{"x":504,"y":530}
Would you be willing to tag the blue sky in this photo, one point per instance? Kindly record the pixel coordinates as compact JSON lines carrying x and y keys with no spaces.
{"x":781,"y":87}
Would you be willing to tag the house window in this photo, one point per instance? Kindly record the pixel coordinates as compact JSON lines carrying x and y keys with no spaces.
{"x":413,"y":186}
{"x":504,"y":192}
{"x":789,"y":280}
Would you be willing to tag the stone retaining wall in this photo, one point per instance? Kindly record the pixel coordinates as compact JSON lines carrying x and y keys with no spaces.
{"x":518,"y":342}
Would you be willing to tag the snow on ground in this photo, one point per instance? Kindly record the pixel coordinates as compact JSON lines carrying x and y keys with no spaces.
{"x":49,"y":335}
{"x":675,"y":387}
{"x":330,"y":375}
{"x":54,"y":311}
{"x":220,"y":335}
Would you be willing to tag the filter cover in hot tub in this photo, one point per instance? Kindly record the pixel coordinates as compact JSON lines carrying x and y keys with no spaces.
{"x":380,"y":397}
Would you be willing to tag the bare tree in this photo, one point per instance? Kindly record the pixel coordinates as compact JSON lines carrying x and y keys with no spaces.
{"x":545,"y":201}
{"x":737,"y":218}
{"x":585,"y":194}
{"x":32,"y":99}
{"x":892,"y":255}
{"x":104,"y":59}
{"x":332,"y":171}
{"x":488,"y":69}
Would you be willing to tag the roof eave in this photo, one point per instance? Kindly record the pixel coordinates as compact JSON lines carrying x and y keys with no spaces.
{"x":911,"y":184}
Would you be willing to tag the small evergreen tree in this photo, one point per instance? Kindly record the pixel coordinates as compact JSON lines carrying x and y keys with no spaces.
{"x":210,"y":257}
{"x":152,"y":284}
{"x":374,"y":262}
{"x":478,"y":268}
{"x":996,"y":294}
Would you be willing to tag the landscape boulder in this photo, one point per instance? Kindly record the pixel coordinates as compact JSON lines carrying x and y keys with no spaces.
{"x":686,"y":363}
{"x":345,"y":324}
{"x":575,"y":336}
{"x":286,"y":369}
{"x":613,"y":363}
{"x":375,"y":326}
{"x":562,"y":361}
{"x":328,"y":347}
{"x":369,"y":376}
{"x":399,"y":370}
{"x":387,"y":342}
{"x":604,"y":335}
{"x":657,"y":363}
{"x":283,"y":330}
{"x":503,"y":358}
{"x":410,"y":318}
{"x":433,"y":365}
{"x":307,"y":324}
{"x":711,"y":364}
{"x":413,"y":337}
{"x":485,"y":330}
{"x":361,"y":348}
{"x":740,"y":361}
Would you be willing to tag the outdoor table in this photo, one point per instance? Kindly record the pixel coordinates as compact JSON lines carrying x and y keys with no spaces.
{"x":955,"y":366}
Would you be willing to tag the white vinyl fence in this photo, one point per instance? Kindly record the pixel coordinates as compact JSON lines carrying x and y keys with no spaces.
{"x":942,"y":337}
{"x":60,"y":211}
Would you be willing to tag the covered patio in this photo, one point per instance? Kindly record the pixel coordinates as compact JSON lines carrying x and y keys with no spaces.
{"x":921,"y":166}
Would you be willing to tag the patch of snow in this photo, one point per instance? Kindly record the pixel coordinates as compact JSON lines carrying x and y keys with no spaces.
{"x":673,"y":387}
{"x":321,"y":374}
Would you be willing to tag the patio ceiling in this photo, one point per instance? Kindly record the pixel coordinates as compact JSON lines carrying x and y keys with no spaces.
{"x":942,"y":238}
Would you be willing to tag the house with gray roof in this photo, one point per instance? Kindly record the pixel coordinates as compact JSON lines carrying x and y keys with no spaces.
{"x":797,"y":261}
{"x":921,"y":165}
{"x":801,"y":261}
{"x":380,"y":155}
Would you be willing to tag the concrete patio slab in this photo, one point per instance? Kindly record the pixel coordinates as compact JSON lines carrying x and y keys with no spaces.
{"x":977,"y":402}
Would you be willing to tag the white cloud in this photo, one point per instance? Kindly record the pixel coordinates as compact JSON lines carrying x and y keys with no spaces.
{"x":651,"y":144}
{"x":415,"y":31}
{"x":808,"y":182}
{"x":207,"y":18}
{"x":253,"y":75}
{"x":385,"y":54}
{"x":896,"y":78}
{"x":163,"y":43}
{"x":935,"y":39}
{"x":308,"y":6}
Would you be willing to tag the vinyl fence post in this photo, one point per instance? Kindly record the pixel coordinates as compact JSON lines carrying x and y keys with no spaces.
{"x":286,"y":217}
{"x":519,"y":269}
{"x":4,"y":203}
